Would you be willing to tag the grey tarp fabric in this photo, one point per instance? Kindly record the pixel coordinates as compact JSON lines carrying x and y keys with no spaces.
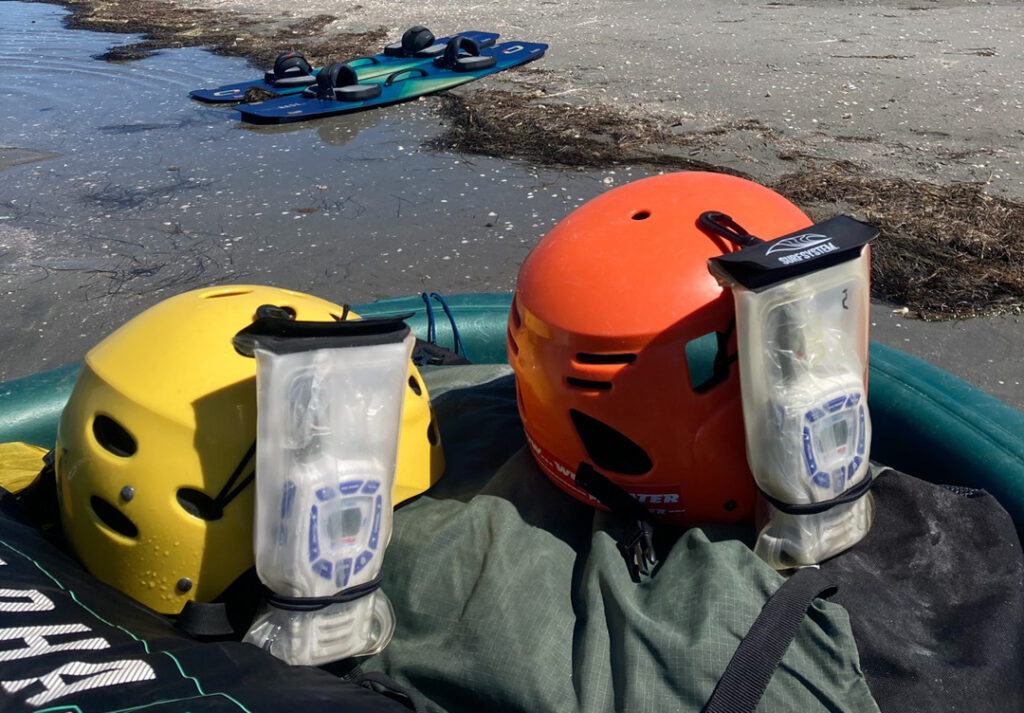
{"x":512,"y":596}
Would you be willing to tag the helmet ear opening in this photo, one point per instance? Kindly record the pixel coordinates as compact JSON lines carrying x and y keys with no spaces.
{"x":608,"y":448}
{"x":113,"y":437}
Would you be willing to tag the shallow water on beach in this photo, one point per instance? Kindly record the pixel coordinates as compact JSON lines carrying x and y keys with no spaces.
{"x":117,"y":190}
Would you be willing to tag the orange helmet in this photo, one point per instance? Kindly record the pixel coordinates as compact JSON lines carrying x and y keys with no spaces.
{"x":623,"y":345}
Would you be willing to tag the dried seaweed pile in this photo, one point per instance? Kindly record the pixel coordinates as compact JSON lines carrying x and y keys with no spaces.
{"x":165,"y":25}
{"x":944,"y":251}
{"x":515,"y":125}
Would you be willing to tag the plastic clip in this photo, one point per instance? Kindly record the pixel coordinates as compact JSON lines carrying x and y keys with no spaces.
{"x":637,"y":542}
{"x":637,"y":548}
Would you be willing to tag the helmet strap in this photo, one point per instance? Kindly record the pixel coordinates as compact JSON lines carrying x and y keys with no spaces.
{"x":205,"y":620}
{"x":636,"y":543}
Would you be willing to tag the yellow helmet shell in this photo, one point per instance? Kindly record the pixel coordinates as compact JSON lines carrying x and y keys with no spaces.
{"x":162,"y":414}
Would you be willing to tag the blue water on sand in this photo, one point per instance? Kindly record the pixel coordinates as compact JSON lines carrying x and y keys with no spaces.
{"x":117,"y":190}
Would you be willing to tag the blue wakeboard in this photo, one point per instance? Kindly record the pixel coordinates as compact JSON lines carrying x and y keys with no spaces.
{"x":370,"y":67}
{"x":337,"y":90}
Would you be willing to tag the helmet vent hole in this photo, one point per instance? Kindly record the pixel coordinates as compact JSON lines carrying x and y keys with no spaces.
{"x":608,"y":448}
{"x":226,"y":292}
{"x":512,"y":346}
{"x":703,"y":362}
{"x":112,"y":517}
{"x":415,"y":386}
{"x":586,"y":358}
{"x":641,"y":215}
{"x":432,"y":433}
{"x":588,"y":384}
{"x":517,"y":321}
{"x":113,"y":437}
{"x":198,"y":504}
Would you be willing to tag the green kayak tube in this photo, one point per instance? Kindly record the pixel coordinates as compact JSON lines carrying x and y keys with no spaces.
{"x":929,"y":423}
{"x":925,"y":421}
{"x":30,"y":407}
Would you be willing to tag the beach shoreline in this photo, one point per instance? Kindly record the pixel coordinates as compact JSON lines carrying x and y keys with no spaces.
{"x":920,"y":100}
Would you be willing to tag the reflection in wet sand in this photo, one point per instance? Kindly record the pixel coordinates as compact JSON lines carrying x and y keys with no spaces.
{"x":10,"y":156}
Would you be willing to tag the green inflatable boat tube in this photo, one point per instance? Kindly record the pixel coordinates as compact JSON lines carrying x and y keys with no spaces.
{"x":926,"y":422}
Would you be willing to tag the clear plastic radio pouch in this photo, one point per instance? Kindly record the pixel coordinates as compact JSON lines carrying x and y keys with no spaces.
{"x":802,"y":338}
{"x":329,"y":407}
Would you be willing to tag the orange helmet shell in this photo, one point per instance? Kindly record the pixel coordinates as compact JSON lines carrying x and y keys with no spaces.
{"x":621,"y":341}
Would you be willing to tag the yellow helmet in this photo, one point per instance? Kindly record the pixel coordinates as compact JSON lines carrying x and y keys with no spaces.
{"x":155,"y":447}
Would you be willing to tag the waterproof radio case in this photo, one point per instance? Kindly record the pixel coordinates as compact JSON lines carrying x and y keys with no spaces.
{"x":802,"y":336}
{"x":329,"y":407}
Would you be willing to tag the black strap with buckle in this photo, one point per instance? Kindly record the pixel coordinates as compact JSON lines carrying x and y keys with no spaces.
{"x":637,"y":543}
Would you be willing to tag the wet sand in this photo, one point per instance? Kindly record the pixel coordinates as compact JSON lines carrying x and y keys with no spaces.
{"x":918,"y":90}
{"x":928,"y":89}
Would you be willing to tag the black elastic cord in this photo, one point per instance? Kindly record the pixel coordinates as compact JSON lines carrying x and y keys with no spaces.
{"x":279,"y":601}
{"x":753,"y":664}
{"x":848,"y":496}
{"x":724,"y":226}
{"x":226,"y":495}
